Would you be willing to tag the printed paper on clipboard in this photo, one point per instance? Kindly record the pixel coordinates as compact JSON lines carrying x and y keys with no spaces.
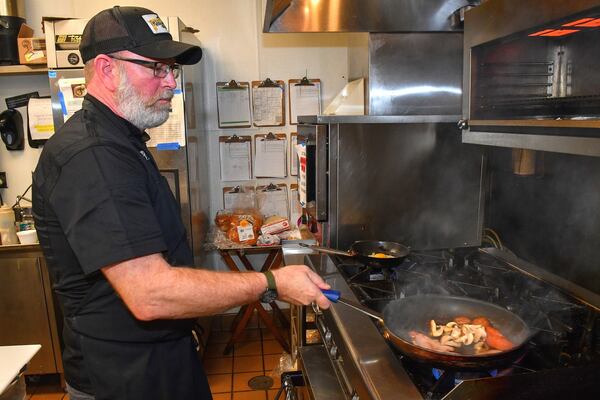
{"x":305,"y":98}
{"x":233,"y":104}
{"x":235,"y":158}
{"x":268,"y":103}
{"x":270,"y":158}
{"x":272,"y":200}
{"x":239,"y":197}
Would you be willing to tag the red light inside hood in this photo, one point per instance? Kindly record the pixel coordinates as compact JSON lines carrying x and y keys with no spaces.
{"x":554,"y":32}
{"x":579,"y":21}
{"x":592,"y":23}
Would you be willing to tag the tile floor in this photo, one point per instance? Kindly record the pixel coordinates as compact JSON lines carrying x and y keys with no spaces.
{"x":256,"y":354}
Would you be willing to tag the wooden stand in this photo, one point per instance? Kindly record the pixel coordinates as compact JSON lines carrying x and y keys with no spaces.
{"x":241,"y":320}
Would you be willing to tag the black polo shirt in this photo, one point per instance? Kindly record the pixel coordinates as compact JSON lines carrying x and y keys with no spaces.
{"x":99,"y":199}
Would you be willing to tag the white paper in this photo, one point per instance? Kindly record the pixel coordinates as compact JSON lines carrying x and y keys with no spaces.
{"x":273,"y":203}
{"x":173,"y":130}
{"x":41,"y":124}
{"x":270,"y":158}
{"x":233,"y":200}
{"x":304,"y":100}
{"x":235,"y":161}
{"x":234,"y":107}
{"x":267,"y":106}
{"x":295,"y":207}
{"x":301,"y":149}
{"x":71,"y":93}
{"x":294,"y":156}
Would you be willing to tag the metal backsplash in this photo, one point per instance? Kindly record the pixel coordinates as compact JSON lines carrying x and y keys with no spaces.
{"x":551,"y":219}
{"x":413,"y":183}
{"x":415,"y":73}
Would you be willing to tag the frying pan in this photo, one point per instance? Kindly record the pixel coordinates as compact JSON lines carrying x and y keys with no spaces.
{"x":363,"y":248}
{"x":414,"y":313}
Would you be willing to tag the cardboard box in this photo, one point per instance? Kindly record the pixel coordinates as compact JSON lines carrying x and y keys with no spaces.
{"x":31,"y":50}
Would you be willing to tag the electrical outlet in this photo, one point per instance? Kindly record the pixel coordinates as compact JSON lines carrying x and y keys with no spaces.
{"x":3,"y":184}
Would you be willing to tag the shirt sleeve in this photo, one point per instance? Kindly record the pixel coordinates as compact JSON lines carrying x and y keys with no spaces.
{"x":103,"y":201}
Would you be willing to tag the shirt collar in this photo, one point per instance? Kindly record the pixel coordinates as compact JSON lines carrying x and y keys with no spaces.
{"x":132,"y":130}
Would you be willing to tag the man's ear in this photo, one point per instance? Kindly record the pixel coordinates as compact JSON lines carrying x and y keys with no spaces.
{"x":107,"y":72}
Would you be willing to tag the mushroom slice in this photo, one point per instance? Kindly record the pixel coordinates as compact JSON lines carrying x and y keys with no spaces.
{"x":435,"y":330}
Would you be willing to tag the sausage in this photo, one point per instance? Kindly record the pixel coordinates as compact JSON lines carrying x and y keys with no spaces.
{"x":425,"y":341}
{"x":462,"y":320}
{"x":483,"y":321}
{"x":497,"y":340}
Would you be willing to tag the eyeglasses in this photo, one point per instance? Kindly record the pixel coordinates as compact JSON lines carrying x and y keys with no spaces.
{"x":161,"y":70}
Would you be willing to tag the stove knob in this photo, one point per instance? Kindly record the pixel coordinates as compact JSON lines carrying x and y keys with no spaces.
{"x":328,"y":336}
{"x":333,"y":352}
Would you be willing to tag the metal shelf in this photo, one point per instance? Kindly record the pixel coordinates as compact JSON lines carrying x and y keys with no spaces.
{"x":23,"y":69}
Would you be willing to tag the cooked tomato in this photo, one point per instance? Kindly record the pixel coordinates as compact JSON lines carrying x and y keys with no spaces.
{"x":497,"y":340}
{"x":483,"y":321}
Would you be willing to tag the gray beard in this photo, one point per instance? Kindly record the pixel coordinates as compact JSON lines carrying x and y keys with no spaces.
{"x":135,"y":110}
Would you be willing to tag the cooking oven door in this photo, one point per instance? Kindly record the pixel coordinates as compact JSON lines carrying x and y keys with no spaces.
{"x":313,"y":171}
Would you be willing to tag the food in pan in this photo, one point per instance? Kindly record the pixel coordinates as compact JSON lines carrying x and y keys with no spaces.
{"x":380,"y":255}
{"x":463,"y":335}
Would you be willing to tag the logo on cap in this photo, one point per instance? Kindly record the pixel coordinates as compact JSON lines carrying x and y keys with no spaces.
{"x":155,"y":23}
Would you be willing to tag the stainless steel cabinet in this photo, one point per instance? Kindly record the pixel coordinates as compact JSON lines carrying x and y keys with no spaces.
{"x":27,"y":310}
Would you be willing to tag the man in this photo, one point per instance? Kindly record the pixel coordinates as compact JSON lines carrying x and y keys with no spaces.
{"x":111,"y":232}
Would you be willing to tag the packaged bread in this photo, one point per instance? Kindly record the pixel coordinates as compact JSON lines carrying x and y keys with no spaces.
{"x":223,"y":220}
{"x":244,"y":226}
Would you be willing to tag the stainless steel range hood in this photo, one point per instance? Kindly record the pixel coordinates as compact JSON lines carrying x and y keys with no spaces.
{"x":364,"y":15}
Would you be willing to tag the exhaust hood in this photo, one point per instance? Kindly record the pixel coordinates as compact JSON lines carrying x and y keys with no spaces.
{"x":365,"y":16}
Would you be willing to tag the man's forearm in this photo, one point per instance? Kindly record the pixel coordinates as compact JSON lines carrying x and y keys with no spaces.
{"x":152,"y":289}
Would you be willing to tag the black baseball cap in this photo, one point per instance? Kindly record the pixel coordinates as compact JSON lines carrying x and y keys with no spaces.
{"x":136,"y":29}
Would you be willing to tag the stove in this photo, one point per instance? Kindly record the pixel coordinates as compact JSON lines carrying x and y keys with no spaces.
{"x":562,"y":359}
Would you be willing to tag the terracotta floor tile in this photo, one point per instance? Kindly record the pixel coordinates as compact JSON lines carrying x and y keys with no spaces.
{"x":276,"y":380}
{"x":222,"y":365}
{"x":48,"y":396}
{"x":222,"y":396}
{"x":220,"y":383}
{"x":248,"y":348}
{"x":226,"y":321}
{"x":250,"y":335}
{"x":271,"y":361}
{"x":253,"y":395}
{"x":216,"y":351}
{"x":267,"y":334}
{"x":219,"y":337}
{"x":247,"y":364}
{"x":272,"y":347}
{"x":240,"y":381}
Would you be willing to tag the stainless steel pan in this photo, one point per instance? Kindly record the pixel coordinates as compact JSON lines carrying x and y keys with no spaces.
{"x":414,"y":314}
{"x":364,"y":249}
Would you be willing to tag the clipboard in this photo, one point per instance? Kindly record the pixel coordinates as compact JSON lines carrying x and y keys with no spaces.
{"x":295,"y":207}
{"x":270,"y":155}
{"x":268,"y":106}
{"x":239,"y":197}
{"x":304,"y":97}
{"x":273,"y":200}
{"x":235,"y":157}
{"x":233,"y":104}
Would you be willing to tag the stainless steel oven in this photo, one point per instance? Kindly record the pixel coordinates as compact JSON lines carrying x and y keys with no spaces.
{"x":530,"y":71}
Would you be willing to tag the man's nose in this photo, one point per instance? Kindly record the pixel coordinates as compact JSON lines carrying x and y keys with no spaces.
{"x":170,"y":81}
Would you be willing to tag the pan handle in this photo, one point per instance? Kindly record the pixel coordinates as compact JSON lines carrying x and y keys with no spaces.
{"x":335,"y":297}
{"x":327,"y":250}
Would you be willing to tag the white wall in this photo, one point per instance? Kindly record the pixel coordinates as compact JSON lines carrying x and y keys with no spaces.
{"x":234,"y":48}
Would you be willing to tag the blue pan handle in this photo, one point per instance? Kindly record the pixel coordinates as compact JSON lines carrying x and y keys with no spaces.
{"x":332,"y":295}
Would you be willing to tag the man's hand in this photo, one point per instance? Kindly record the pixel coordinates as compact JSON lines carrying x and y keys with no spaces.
{"x":298,"y":284}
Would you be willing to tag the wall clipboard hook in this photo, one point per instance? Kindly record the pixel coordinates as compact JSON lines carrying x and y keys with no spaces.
{"x":232,"y":84}
{"x":234,"y":139}
{"x":268,"y":83}
{"x":304,"y":82}
{"x":237,"y":189}
{"x":271,"y":136}
{"x":271,"y":187}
